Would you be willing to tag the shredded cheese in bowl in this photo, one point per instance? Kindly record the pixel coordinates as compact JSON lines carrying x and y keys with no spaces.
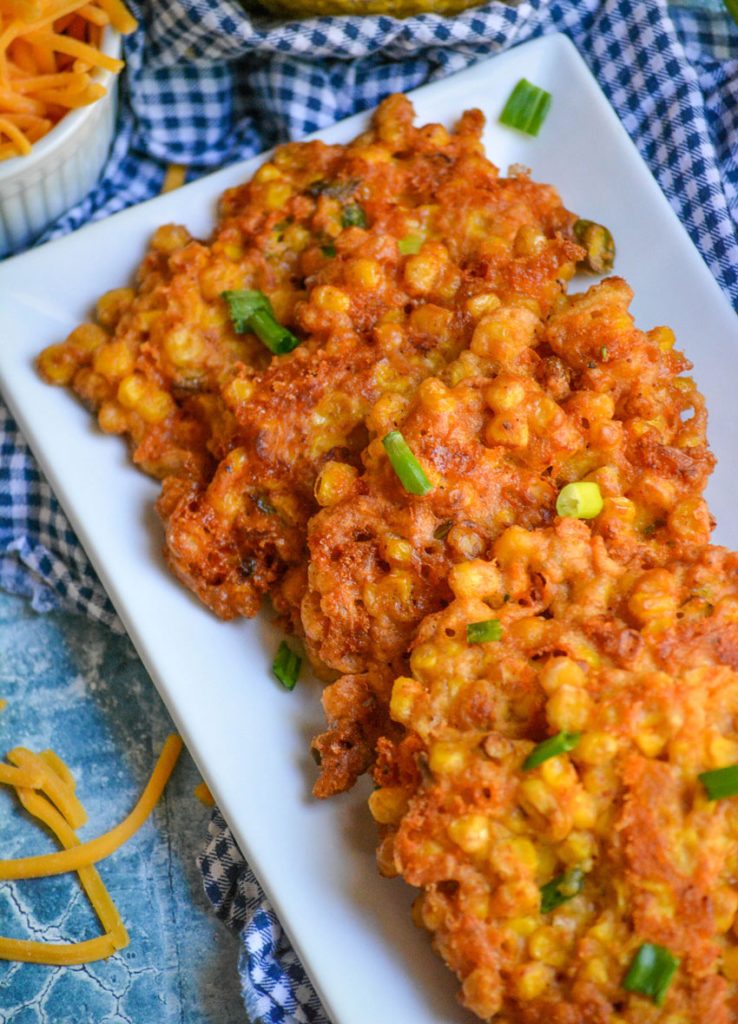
{"x":50,"y":51}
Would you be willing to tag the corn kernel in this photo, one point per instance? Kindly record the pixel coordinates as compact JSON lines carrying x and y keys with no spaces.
{"x":112,"y":418}
{"x":363,"y":273}
{"x":239,"y":390}
{"x":596,"y":748}
{"x":595,"y":970}
{"x":113,"y":304}
{"x":447,"y":757}
{"x":276,"y":195}
{"x":402,"y":702}
{"x":169,"y":238}
{"x":266,"y":173}
{"x":504,"y":334}
{"x":131,"y":390}
{"x":583,"y":809}
{"x":533,"y":981}
{"x":114,"y":360}
{"x":724,"y":905}
{"x":561,"y":672}
{"x":388,"y":804}
{"x":476,"y":579}
{"x":479,"y":305}
{"x":85,"y":339}
{"x":470,"y":832}
{"x":57,"y":364}
{"x":730,"y":963}
{"x":569,"y":709}
{"x":398,"y":551}
{"x":546,"y":945}
{"x":155,"y":405}
{"x":331,"y":299}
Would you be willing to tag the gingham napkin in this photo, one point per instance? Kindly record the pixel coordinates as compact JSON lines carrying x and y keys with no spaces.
{"x":670,"y":72}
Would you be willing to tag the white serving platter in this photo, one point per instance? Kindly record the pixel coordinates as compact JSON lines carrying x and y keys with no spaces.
{"x":248,"y":736}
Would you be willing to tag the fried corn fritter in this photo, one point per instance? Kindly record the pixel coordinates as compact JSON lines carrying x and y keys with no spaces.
{"x":639,"y":667}
{"x":583,"y":395}
{"x":408,"y":219}
{"x":372,"y":253}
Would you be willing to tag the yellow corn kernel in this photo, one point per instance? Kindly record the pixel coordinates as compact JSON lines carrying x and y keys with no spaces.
{"x":534,"y":979}
{"x":91,"y":387}
{"x":558,"y":773}
{"x":650,"y":743}
{"x":388,"y":804}
{"x":112,"y":418}
{"x":447,"y":757}
{"x":424,"y":659}
{"x":430,"y":319}
{"x":515,"y":545}
{"x":57,"y":364}
{"x":169,"y":238}
{"x":505,"y":394}
{"x":404,"y":694}
{"x":331,"y":299}
{"x":523,"y":926}
{"x":529,"y":241}
{"x":546,"y":945}
{"x":131,"y":390}
{"x":266,"y":173}
{"x":479,"y":905}
{"x":578,"y":849}
{"x":227,"y":503}
{"x":538,"y":795}
{"x":113,"y":304}
{"x":653,"y":599}
{"x":664,"y":338}
{"x":595,"y":970}
{"x":423,"y":271}
{"x":730,"y":963}
{"x":276,"y":195}
{"x":561,"y":672}
{"x":398,"y":551}
{"x":386,"y":862}
{"x":482,"y":992}
{"x":334,"y":483}
{"x":155,"y":405}
{"x":85,"y":339}
{"x":724,"y":906}
{"x":476,"y":579}
{"x":689,"y":521}
{"x":363,"y":273}
{"x":470,"y":832}
{"x":723,"y":752}
{"x":569,"y":709}
{"x":114,"y":360}
{"x":504,"y":334}
{"x":479,"y":305}
{"x":583,"y":809}
{"x":233,"y":252}
{"x":239,"y":390}
{"x":596,"y":748}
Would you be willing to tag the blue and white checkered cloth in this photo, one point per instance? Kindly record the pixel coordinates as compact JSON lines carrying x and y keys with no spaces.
{"x":207,"y":83}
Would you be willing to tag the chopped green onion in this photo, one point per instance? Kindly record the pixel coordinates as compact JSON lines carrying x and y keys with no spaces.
{"x":603,"y":353}
{"x":562,"y":743}
{"x":720,"y":783}
{"x":651,"y":972}
{"x":410,"y":245}
{"x":526,"y":108}
{"x":286,"y":666}
{"x":442,"y":531}
{"x":252,"y":313}
{"x":404,"y":463}
{"x":598,"y":242}
{"x":482,"y":632}
{"x":560,"y":889}
{"x":329,"y":251}
{"x":582,"y":500}
{"x":732,"y":6}
{"x":353,"y":217}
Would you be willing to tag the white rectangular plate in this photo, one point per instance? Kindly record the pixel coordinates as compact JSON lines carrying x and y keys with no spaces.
{"x":248,"y":736}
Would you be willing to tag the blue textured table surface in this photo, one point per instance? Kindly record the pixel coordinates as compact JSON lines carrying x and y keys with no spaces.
{"x":73,"y":686}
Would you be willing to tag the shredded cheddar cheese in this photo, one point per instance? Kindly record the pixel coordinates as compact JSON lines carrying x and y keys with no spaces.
{"x":48,"y":52}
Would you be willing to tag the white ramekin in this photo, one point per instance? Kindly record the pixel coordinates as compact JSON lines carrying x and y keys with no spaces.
{"x":61,"y":168}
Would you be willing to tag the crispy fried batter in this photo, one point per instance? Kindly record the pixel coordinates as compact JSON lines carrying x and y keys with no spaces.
{"x":464,"y":821}
{"x":538,"y":406}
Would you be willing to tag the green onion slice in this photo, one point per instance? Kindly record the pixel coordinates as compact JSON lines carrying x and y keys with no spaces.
{"x":562,"y":743}
{"x":732,"y":6}
{"x":408,"y":469}
{"x":560,"y":889}
{"x":581,"y":500}
{"x":252,"y":313}
{"x":481,"y":632}
{"x":720,"y":783}
{"x":329,"y":251}
{"x":443,"y":529}
{"x":598,"y":242}
{"x":353,"y":217}
{"x":410,"y":245}
{"x":286,"y":666}
{"x":527,"y":107}
{"x":651,"y":972}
